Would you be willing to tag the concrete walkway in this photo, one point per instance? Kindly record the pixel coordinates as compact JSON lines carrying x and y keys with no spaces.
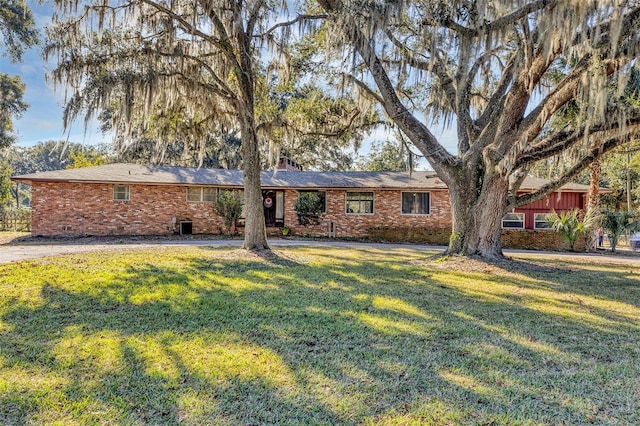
{"x":32,"y":250}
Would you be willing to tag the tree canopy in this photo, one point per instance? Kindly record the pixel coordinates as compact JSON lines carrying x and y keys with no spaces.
{"x":11,"y":106}
{"x":385,"y":157}
{"x":17,"y":32}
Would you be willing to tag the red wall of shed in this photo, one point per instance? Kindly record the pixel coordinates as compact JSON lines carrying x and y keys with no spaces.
{"x":558,"y":201}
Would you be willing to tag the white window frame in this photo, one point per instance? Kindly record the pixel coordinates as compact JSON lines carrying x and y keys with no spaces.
{"x":513,"y":220}
{"x":346,"y":203}
{"x":121,"y":193}
{"x":536,"y":221}
{"x":202,"y":190}
{"x":402,"y":212}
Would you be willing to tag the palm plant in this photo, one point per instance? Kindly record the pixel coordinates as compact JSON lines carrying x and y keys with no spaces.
{"x":570,"y":224}
{"x":617,"y":223}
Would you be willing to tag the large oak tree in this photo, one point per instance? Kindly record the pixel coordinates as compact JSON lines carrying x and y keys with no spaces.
{"x":198,"y":57}
{"x":185,"y":72}
{"x":500,"y":70}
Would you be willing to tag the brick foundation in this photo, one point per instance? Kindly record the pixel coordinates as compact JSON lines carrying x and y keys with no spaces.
{"x":515,"y":239}
{"x":538,"y":240}
{"x":435,"y":236}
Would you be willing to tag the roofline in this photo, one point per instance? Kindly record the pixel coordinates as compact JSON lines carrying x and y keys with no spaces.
{"x":114,"y":182}
{"x":36,"y":179}
{"x":308,"y":188}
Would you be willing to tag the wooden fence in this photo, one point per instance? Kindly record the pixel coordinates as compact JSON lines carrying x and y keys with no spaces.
{"x":15,"y":220}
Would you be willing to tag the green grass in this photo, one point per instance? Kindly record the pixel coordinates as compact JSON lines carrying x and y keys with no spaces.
{"x":316,"y":336}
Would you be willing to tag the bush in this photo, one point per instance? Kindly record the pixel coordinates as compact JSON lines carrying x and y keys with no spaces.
{"x":308,"y":206}
{"x":229,"y":207}
{"x":286,"y":231}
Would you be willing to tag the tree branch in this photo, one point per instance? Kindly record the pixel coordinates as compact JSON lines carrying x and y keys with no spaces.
{"x":254,"y":15}
{"x":299,"y":18}
{"x":590,"y":157}
{"x":418,"y":132}
{"x":496,"y":25}
{"x":467,"y":129}
{"x":442,"y":161}
{"x":496,"y":101}
{"x":515,"y":16}
{"x":562,"y":140}
{"x":186,"y":25}
{"x":224,"y":90}
{"x":362,"y":85}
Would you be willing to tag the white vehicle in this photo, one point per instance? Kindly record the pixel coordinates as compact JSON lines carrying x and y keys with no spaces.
{"x":634,"y":241}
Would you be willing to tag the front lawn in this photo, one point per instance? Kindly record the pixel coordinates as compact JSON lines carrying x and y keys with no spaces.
{"x":317,"y":336}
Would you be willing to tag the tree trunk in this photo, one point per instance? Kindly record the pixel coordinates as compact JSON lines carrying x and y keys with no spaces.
{"x":255,"y":231}
{"x":477,"y":216}
{"x":17,"y":195}
{"x":593,"y":203}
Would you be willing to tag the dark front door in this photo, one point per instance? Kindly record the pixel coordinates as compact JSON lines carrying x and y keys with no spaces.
{"x":269,"y":203}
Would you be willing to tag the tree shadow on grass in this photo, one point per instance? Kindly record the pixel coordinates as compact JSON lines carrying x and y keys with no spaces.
{"x":263,"y":342}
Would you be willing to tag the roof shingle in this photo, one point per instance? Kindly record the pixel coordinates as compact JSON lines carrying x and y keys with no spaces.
{"x":172,"y":175}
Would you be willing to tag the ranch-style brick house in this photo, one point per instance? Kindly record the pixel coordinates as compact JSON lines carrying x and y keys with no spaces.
{"x":133,"y":199}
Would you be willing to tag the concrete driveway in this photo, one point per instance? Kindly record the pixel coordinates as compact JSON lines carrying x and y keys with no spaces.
{"x":15,"y":252}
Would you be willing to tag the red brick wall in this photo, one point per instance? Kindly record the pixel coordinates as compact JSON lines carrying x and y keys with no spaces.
{"x":432,"y":236}
{"x":71,"y":209}
{"x":538,"y":240}
{"x":386,"y":213}
{"x":89,"y":209}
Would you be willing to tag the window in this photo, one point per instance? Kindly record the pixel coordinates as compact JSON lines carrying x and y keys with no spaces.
{"x":280,"y":206}
{"x":121,"y":192}
{"x":360,"y":202}
{"x":540,"y":221}
{"x":201,"y":194}
{"x":513,"y":221}
{"x":322,"y":199}
{"x":415,"y":203}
